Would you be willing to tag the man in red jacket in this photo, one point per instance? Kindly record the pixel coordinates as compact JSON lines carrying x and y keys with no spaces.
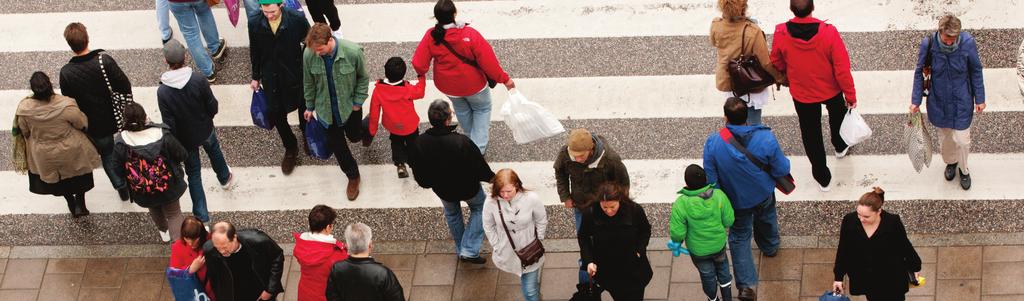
{"x":317,"y":251}
{"x":812,"y":55}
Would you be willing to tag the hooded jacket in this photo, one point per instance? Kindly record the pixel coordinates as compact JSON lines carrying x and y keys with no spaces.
{"x":187,"y":106}
{"x":450,"y":164}
{"x":396,"y":102}
{"x":156,"y":140}
{"x":316,"y":254}
{"x":700,"y":218}
{"x":818,"y":67}
{"x":56,"y":146}
{"x":745,"y":183}
{"x":82,"y":79}
{"x":957,"y":82}
{"x":452,"y":76}
{"x":276,"y":58}
{"x":579,"y":181}
{"x":267,"y":262}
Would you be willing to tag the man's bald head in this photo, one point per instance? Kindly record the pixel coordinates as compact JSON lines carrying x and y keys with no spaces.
{"x":801,"y":8}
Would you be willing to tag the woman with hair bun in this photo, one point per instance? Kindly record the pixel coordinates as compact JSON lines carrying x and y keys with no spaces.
{"x":875,"y":252}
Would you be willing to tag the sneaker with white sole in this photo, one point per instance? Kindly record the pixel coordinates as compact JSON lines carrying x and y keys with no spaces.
{"x":231,"y":183}
{"x":840,"y":155}
{"x":165,"y":236}
{"x":825,"y":188}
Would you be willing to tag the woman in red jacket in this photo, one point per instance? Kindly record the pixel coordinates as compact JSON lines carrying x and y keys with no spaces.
{"x":187,"y":252}
{"x":463,"y":64}
{"x":317,"y":251}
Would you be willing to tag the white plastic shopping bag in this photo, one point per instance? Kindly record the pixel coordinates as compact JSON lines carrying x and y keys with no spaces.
{"x":528,"y":120}
{"x":854,"y":129}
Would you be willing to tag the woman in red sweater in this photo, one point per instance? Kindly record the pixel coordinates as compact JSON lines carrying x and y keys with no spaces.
{"x":316,"y":252}
{"x":463,"y":64}
{"x":187,"y":251}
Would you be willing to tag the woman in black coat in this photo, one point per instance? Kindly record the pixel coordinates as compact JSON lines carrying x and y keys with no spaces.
{"x":613,"y":241}
{"x":875,"y":252}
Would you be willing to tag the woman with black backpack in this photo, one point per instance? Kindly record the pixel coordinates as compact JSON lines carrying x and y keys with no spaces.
{"x":151,"y":160}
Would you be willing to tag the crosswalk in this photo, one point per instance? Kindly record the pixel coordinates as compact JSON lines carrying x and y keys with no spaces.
{"x":639,"y":72}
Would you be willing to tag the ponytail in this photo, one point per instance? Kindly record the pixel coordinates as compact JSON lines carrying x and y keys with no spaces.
{"x":444,"y":13}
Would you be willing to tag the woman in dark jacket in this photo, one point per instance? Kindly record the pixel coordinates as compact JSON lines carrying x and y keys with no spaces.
{"x":151,"y":160}
{"x":875,"y":252}
{"x":613,"y":241}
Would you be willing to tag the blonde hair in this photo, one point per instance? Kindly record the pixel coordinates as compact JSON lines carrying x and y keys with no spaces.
{"x":733,"y":9}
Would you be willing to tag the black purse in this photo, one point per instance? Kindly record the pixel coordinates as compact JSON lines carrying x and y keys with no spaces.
{"x":532,"y":252}
{"x":490,"y":82}
{"x":746,"y":72}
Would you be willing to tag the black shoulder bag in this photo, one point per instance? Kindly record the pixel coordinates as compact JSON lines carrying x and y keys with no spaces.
{"x":490,"y":82}
{"x":784,"y":184}
{"x":746,"y":72}
{"x":529,"y":254}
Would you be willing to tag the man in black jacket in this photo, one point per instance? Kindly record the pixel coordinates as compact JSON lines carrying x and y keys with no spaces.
{"x":84,"y":79}
{"x":243,"y":265}
{"x":451,"y":164}
{"x":187,"y":105}
{"x":275,"y":50}
{"x":360,"y":277}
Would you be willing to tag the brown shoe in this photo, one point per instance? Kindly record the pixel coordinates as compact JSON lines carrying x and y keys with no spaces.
{"x":353,"y":189}
{"x":747,"y":294}
{"x":289,"y":161}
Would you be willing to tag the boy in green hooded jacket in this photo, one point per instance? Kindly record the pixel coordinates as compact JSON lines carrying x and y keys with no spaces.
{"x":701,"y":217}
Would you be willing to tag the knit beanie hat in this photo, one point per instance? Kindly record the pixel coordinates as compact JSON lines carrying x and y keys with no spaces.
{"x":580,"y":141}
{"x":695,"y":177}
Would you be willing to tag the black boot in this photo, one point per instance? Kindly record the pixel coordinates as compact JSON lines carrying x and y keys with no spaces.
{"x":80,"y":209}
{"x":70,"y":198}
{"x":726,"y":292}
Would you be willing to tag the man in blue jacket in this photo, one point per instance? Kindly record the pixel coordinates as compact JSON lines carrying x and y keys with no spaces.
{"x":750,"y":189}
{"x":957,"y":90}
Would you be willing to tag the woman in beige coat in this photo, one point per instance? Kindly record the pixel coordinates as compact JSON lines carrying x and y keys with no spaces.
{"x":60,"y":156}
{"x":734,"y":34}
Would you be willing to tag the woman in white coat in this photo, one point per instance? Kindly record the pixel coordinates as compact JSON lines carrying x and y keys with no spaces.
{"x":523,"y":214}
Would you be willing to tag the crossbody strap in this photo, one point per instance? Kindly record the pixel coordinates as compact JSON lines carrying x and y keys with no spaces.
{"x":461,"y":57}
{"x":104,"y":71}
{"x":743,"y":39}
{"x":726,"y":135}
{"x":507,"y":234}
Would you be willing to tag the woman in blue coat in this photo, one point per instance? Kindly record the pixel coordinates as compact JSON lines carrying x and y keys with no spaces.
{"x":957,"y":90}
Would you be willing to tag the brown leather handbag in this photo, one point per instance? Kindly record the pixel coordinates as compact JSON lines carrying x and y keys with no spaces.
{"x":746,"y":72}
{"x":529,"y":254}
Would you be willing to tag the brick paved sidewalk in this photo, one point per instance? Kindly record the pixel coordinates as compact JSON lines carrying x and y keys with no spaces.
{"x":953,"y":273}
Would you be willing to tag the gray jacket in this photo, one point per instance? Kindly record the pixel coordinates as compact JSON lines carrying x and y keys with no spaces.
{"x":524,"y":212}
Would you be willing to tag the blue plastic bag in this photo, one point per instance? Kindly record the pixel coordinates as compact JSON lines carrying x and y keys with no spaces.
{"x":316,"y":137}
{"x":294,"y":4}
{"x":260,"y":112}
{"x":185,"y":286}
{"x":831,"y":296}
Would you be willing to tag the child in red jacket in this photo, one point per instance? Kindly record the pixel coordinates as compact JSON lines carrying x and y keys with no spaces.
{"x":394,"y":96}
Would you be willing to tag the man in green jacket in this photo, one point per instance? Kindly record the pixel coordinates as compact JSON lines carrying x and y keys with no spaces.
{"x":335,"y":85}
{"x":701,"y":217}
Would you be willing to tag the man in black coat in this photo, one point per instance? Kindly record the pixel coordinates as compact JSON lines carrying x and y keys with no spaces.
{"x":275,"y":49}
{"x":244,"y":265}
{"x":451,"y":165}
{"x":83,"y":78}
{"x":360,"y":277}
{"x":187,"y":105}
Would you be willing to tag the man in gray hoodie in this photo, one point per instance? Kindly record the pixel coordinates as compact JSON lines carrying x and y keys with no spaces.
{"x":187,"y":106}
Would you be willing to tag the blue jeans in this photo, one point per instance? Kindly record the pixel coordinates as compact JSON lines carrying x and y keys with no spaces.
{"x":163,"y":19}
{"x":530,"y":283}
{"x":578,"y":218}
{"x":193,"y":168}
{"x":474,"y":113}
{"x":468,"y":237}
{"x":252,"y":9}
{"x":195,"y":18}
{"x":714,"y":273}
{"x":105,"y":146}
{"x":762,"y":223}
{"x":753,"y":116}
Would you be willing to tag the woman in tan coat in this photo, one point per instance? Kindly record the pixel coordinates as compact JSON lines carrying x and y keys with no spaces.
{"x":734,"y":34}
{"x":60,"y":156}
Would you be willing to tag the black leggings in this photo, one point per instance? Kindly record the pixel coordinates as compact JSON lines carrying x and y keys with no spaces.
{"x":323,"y":11}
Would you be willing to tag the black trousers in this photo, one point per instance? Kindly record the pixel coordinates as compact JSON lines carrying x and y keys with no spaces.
{"x":628,"y":293}
{"x":886,"y":297}
{"x":810,"y":131}
{"x":285,"y":131}
{"x":323,"y":11}
{"x":400,"y":147}
{"x":339,"y":146}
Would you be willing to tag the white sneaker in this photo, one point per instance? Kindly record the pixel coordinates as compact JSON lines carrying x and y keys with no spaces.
{"x":207,"y":227}
{"x":840,"y":155}
{"x":231,"y":182}
{"x":825,"y":188}
{"x":165,"y":236}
